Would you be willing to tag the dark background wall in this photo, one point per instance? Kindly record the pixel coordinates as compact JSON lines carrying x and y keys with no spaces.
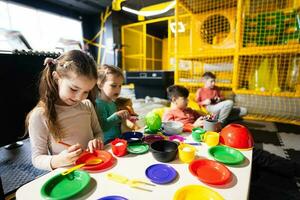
{"x":19,"y":79}
{"x":20,"y":73}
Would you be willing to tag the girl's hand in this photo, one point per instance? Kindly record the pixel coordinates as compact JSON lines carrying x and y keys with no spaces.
{"x":95,"y":144}
{"x":67,"y":157}
{"x":217,"y":99}
{"x":206,"y":102}
{"x":73,"y":153}
{"x":123,"y":114}
{"x":201,"y":118}
{"x":199,"y":122}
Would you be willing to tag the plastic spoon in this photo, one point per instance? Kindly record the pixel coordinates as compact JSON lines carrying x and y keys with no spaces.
{"x":93,"y":161}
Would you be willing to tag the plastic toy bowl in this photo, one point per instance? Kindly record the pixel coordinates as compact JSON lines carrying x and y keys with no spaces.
{"x":164,"y":150}
{"x":172,"y":127}
{"x":153,"y":121}
{"x":132,"y":136}
{"x":236,"y":136}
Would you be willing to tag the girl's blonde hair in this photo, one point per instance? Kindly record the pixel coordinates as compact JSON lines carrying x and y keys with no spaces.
{"x":105,"y":70}
{"x":76,"y":61}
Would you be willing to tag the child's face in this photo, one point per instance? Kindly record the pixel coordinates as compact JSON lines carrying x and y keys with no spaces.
{"x":111,"y":87}
{"x":74,"y":88}
{"x":209,"y":83}
{"x":181,"y":102}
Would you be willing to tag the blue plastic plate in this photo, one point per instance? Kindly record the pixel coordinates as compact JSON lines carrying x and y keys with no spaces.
{"x":161,"y":173}
{"x":113,"y":198}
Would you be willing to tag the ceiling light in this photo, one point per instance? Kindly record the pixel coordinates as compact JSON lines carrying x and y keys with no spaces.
{"x":150,"y":13}
{"x":180,"y":29}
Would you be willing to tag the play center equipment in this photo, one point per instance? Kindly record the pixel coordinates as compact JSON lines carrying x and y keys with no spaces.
{"x":252,"y":47}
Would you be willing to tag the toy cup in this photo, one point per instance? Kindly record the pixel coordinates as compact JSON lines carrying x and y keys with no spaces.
{"x":186,"y":153}
{"x":119,"y":147}
{"x":210,"y":125}
{"x":197,"y":134}
{"x":211,"y":138}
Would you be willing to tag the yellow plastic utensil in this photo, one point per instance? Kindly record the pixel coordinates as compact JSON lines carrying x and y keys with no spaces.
{"x":93,"y":161}
{"x":134,"y":183}
{"x":117,"y":178}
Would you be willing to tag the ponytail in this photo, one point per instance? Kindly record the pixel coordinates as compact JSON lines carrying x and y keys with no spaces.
{"x":75,"y":61}
{"x":48,"y":92}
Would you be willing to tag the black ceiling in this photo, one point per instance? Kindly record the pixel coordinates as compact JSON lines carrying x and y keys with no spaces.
{"x":94,"y":6}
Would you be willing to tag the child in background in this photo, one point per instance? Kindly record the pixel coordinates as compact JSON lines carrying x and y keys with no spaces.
{"x":210,"y":97}
{"x":110,"y":80}
{"x":178,"y":95}
{"x":63,"y":113}
{"x":123,"y":103}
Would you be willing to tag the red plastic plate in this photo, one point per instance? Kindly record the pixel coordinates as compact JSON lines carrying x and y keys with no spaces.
{"x":105,"y":156}
{"x":209,"y":171}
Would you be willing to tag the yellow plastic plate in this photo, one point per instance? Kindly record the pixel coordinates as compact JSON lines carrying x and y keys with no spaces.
{"x":196,"y":192}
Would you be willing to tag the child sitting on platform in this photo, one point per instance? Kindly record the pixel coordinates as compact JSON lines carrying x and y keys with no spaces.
{"x":210,"y":97}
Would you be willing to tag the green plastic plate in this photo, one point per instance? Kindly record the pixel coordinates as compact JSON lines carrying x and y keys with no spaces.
{"x":138,"y":148}
{"x":62,"y":187}
{"x":226,"y":155}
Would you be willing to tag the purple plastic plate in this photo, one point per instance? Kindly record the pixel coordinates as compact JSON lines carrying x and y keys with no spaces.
{"x":153,"y":138}
{"x":113,"y":198}
{"x":161,"y":173}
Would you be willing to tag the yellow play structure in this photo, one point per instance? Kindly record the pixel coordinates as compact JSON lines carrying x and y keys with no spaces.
{"x":252,"y":46}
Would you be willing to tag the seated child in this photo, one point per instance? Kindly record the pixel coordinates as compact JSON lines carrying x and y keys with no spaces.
{"x":178,"y":95}
{"x":129,"y":124}
{"x":110,"y":80}
{"x":210,"y":97}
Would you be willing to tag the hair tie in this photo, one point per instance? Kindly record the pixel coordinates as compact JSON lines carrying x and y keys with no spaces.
{"x":50,"y":61}
{"x":67,"y":63}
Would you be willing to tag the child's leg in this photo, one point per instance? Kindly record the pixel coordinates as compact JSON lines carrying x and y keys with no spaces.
{"x":242,"y":111}
{"x":236,"y":113}
{"x":223,"y":109}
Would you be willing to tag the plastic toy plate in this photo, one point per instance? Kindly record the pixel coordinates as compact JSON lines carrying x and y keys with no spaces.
{"x":210,"y":171}
{"x":152,"y":138}
{"x":64,"y":187}
{"x":161,"y":173}
{"x":108,"y":160}
{"x":138,"y":148}
{"x":114,"y":197}
{"x":177,"y":138}
{"x":226,"y":155}
{"x":196,"y":192}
